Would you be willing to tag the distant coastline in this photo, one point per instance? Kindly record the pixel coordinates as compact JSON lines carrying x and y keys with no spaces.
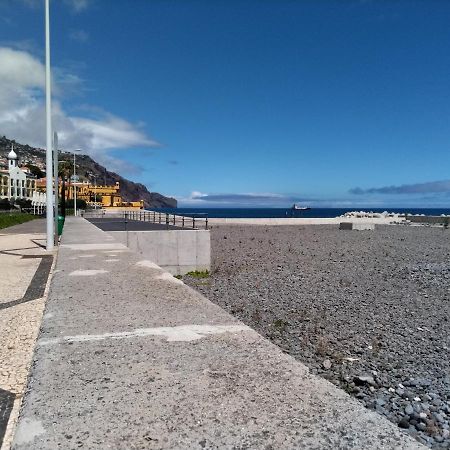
{"x":253,"y":213}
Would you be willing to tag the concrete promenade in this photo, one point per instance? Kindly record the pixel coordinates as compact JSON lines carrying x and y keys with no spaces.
{"x":128,"y":357}
{"x":119,"y":224}
{"x":24,"y":270}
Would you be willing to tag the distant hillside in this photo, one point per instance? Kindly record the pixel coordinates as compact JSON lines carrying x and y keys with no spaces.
{"x":88,"y":169}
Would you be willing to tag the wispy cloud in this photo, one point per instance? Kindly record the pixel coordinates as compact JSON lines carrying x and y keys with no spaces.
{"x":197,"y":198}
{"x":6,"y":20}
{"x":78,"y":5}
{"x":26,"y":45}
{"x":79,"y":36}
{"x":22,"y":115}
{"x":432,"y":187}
{"x":273,"y":200}
{"x":238,"y":198}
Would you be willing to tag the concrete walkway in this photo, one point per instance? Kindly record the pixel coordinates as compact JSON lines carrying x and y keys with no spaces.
{"x":24,"y":269}
{"x":129,"y":358}
{"x":119,"y":224}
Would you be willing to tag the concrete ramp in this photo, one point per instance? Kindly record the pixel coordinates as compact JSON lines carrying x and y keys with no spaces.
{"x":129,"y":357}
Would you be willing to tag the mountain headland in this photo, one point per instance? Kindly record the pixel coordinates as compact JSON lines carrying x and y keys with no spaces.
{"x":87,"y":169}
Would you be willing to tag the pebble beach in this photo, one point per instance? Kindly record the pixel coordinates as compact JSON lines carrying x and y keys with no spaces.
{"x":369,"y":311}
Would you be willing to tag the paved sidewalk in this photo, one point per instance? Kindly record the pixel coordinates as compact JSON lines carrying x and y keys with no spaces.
{"x":118,"y":224}
{"x":25,"y":266}
{"x":129,"y":358}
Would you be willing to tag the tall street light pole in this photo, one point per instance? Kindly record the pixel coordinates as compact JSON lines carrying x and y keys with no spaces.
{"x":74,"y":185}
{"x":95,"y":193}
{"x":55,"y":174}
{"x":48,"y":110}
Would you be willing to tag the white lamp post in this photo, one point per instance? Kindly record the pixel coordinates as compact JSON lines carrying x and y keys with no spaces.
{"x":95,"y":193}
{"x":74,"y":185}
{"x":48,"y":110}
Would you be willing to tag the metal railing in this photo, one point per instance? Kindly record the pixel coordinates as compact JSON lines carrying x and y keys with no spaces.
{"x":191,"y":221}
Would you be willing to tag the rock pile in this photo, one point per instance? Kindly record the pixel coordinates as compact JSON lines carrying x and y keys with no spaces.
{"x":372,"y":215}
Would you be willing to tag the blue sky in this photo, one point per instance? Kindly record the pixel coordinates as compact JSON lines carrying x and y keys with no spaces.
{"x":249,"y":102}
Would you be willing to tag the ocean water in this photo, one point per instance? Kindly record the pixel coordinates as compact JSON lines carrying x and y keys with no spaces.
{"x":253,"y":213}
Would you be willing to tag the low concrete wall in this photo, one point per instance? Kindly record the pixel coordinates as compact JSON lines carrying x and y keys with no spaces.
{"x":176,"y":251}
{"x":356,"y":226}
{"x":435,"y":220}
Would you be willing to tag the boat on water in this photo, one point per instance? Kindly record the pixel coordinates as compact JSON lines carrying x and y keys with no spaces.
{"x":296,"y":207}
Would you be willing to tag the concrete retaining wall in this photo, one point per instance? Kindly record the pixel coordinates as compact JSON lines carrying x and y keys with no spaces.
{"x":435,"y":220}
{"x":176,"y":251}
{"x":356,"y":226}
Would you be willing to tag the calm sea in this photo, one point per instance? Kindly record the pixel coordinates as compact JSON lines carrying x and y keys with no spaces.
{"x":282,"y":212}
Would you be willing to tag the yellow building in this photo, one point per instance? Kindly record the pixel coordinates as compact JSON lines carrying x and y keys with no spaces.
{"x":96,"y":196}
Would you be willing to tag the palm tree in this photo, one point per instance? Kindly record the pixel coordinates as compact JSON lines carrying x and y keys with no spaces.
{"x":64,"y":171}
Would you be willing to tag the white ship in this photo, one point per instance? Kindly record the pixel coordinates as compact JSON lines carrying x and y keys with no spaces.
{"x":296,"y":207}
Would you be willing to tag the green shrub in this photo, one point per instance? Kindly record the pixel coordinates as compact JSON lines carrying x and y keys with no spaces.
{"x":199,"y":274}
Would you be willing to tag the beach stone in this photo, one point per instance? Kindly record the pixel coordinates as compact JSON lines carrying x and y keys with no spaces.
{"x":421,"y":426}
{"x":409,"y":410}
{"x":404,"y":422}
{"x":408,"y":394}
{"x":327,"y":364}
{"x":364,"y":379}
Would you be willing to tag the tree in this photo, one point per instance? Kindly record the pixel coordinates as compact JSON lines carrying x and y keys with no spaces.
{"x":35,"y":171}
{"x":64,"y":171}
{"x":81,"y":204}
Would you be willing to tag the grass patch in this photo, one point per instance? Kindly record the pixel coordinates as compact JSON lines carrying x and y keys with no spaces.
{"x":179,"y":277}
{"x":199,"y":274}
{"x":8,"y":220}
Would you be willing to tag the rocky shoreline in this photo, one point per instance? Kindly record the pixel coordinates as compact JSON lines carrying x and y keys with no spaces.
{"x":369,"y":311}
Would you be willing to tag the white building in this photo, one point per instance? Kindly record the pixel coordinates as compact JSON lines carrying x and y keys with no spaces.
{"x":16,"y":183}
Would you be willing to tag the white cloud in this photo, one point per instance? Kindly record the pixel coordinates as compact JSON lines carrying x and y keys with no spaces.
{"x":21,"y":69}
{"x":22,"y":113}
{"x":197,"y":198}
{"x":78,"y":5}
{"x":75,"y":5}
{"x":79,"y":36}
